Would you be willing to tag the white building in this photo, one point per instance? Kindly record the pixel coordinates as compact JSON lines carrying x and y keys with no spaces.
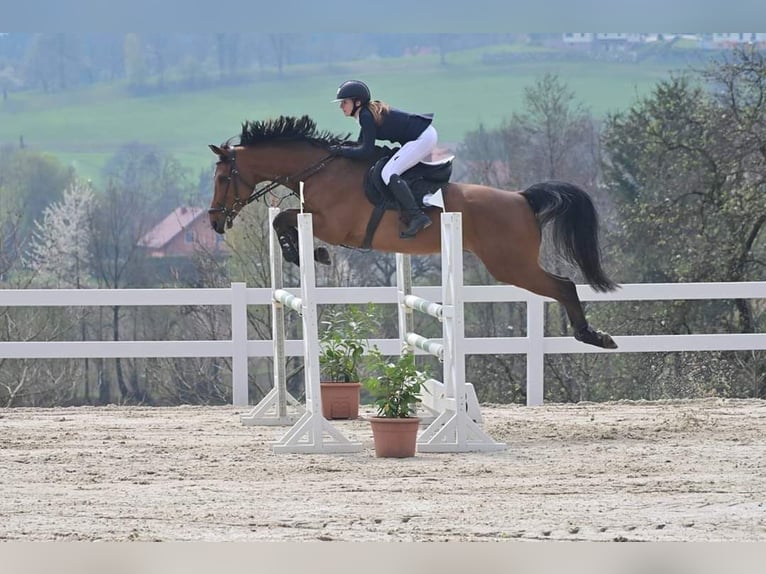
{"x":734,"y":38}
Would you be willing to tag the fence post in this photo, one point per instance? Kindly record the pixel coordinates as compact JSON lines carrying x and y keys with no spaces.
{"x":239,"y":392}
{"x":535,"y":350}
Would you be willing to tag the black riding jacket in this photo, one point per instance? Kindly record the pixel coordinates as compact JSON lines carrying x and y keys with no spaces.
{"x":397,"y":126}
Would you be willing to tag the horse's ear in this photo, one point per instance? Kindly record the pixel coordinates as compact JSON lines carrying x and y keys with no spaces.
{"x":217,"y":151}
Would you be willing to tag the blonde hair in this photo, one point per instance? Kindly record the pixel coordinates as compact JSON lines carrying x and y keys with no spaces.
{"x":378,"y":109}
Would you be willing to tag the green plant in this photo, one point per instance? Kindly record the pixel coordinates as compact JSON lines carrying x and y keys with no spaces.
{"x":343,"y":342}
{"x":397,"y":386}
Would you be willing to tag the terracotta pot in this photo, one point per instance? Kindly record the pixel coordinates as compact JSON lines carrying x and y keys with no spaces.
{"x":394,"y":437}
{"x":340,"y":400}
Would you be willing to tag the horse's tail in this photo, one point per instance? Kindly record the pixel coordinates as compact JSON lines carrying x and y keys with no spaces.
{"x":575,"y":226}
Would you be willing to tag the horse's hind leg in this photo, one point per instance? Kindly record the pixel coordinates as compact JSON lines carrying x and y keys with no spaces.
{"x":565,"y":292}
{"x":541,"y":282}
{"x":286,"y":226}
{"x":559,"y":288}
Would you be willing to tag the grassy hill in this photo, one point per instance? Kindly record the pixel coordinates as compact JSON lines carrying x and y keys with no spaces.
{"x":85,"y":127}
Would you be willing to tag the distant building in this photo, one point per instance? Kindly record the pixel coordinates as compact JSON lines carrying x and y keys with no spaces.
{"x":616,"y":38}
{"x":737,"y":38}
{"x":181,"y":233}
{"x":602,"y":37}
{"x":578,"y":37}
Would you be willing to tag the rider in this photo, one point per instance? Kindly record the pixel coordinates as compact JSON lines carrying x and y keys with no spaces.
{"x":380,"y":121}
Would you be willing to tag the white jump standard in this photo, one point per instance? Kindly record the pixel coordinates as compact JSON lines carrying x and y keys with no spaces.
{"x":456,"y":425}
{"x":311,"y":433}
{"x":278,"y":407}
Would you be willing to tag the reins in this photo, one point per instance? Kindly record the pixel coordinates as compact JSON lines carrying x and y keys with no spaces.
{"x":256,"y":194}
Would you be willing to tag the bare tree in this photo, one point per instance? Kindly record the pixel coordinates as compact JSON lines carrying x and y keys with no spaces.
{"x":282,"y":45}
{"x":118,"y":220}
{"x":554,"y":136}
{"x":136,"y":69}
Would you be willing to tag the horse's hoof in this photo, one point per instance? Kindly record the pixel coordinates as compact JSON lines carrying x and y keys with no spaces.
{"x":590,"y":336}
{"x":289,"y":249}
{"x":321,"y":255}
{"x":606,"y":341}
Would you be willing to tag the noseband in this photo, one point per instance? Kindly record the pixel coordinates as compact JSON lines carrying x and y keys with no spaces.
{"x":255,"y":194}
{"x":233,"y":177}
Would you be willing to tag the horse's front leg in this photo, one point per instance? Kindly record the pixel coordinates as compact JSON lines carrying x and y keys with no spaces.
{"x":286,"y":227}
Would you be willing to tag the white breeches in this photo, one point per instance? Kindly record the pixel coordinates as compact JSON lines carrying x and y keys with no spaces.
{"x":410,"y":154}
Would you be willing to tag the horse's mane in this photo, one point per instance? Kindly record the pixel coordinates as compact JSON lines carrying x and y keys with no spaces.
{"x":288,"y":128}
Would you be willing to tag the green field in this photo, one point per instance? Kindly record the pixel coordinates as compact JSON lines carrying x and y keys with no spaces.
{"x":83,"y":128}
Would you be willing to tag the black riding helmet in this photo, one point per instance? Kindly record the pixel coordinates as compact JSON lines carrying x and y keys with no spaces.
{"x":354,"y":90}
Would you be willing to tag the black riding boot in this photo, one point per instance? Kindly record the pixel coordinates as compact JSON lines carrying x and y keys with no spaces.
{"x":403,"y":194}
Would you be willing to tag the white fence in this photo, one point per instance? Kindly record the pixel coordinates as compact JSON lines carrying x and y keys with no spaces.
{"x":534,"y":345}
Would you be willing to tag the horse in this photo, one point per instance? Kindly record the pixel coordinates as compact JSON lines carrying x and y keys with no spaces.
{"x":502,"y":228}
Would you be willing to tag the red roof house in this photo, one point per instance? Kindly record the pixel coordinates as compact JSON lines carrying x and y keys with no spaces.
{"x":181,"y":233}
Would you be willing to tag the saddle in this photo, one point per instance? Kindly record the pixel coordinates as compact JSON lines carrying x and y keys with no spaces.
{"x":424,"y":178}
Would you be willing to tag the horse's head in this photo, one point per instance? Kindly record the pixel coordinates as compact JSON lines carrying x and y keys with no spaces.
{"x":290,"y":150}
{"x":229,"y":193}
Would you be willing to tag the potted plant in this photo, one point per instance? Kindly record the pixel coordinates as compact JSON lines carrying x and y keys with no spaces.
{"x":343,"y":342}
{"x":396,"y":392}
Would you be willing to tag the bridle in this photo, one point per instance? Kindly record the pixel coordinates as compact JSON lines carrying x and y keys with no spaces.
{"x":235,"y":177}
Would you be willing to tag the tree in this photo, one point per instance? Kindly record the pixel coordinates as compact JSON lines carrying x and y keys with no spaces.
{"x":445,"y":44}
{"x":104,"y":53}
{"x":227,"y":47}
{"x":556,"y":136}
{"x":119,"y":219}
{"x":58,"y":251}
{"x":144,"y":185}
{"x":282,"y":45}
{"x":57,"y":258}
{"x":152,"y":173}
{"x":29,"y":181}
{"x":486,"y":158}
{"x":9,"y":80}
{"x":687,"y":165}
{"x":54,"y":61}
{"x":136,"y":69}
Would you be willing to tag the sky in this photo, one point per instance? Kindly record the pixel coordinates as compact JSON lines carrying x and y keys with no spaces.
{"x":387,"y":16}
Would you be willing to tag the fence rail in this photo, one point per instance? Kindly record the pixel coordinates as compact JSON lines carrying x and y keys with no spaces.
{"x":238,"y":297}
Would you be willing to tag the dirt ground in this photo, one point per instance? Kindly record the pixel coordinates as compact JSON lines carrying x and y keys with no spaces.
{"x":659,"y":471}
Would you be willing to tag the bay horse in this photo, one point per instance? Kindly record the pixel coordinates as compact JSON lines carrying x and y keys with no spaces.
{"x":502,"y":228}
